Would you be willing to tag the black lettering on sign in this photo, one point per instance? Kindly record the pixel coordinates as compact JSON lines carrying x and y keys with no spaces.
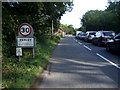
{"x":27,"y":30}
{"x":25,"y":39}
{"x":22,"y":30}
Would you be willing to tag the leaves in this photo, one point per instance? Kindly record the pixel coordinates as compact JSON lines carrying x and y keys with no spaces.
{"x":39,"y":15}
{"x":20,"y":74}
{"x":99,"y":20}
{"x":67,"y":28}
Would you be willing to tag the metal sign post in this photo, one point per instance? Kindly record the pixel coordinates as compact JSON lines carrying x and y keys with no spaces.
{"x":33,"y":53}
{"x":25,"y":39}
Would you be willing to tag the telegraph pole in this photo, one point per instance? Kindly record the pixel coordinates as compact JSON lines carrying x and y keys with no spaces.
{"x":52,"y":27}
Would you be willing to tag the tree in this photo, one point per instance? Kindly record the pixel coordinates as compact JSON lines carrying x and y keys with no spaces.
{"x":114,"y":7}
{"x":38,"y":14}
{"x":69,"y":29}
{"x":99,"y":20}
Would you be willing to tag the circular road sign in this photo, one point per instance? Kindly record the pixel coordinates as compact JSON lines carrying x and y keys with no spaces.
{"x":25,"y":29}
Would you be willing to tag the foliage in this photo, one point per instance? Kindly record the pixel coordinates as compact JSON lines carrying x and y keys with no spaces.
{"x":69,"y":29}
{"x":39,"y":15}
{"x":114,"y":7}
{"x":21,"y":74}
{"x":82,"y":28}
{"x":108,"y":19}
{"x":98,"y":20}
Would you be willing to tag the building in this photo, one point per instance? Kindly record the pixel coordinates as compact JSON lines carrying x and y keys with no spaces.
{"x":60,"y":32}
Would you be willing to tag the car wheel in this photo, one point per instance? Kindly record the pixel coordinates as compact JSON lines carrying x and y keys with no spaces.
{"x":93,"y":42}
{"x":108,"y":48}
{"x":99,"y":44}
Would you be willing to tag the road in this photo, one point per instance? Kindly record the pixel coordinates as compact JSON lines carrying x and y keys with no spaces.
{"x":77,"y":64}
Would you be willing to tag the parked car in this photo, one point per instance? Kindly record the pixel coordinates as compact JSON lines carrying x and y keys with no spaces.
{"x":82,"y":35}
{"x":114,"y":44}
{"x":101,"y":37}
{"x":77,"y":34}
{"x":89,"y":36}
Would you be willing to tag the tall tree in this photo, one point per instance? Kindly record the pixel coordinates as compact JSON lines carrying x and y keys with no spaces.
{"x":114,"y":7}
{"x":38,"y":14}
{"x":99,"y":20}
{"x":69,"y":29}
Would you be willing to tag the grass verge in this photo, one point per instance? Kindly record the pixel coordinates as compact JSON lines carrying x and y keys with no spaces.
{"x":21,"y":74}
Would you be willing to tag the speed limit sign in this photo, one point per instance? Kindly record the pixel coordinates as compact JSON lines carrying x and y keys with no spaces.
{"x":25,"y":29}
{"x":25,"y":39}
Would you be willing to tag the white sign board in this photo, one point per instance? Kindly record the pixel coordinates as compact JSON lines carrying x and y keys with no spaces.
{"x":25,"y":42}
{"x":25,"y":39}
{"x":18,"y":51}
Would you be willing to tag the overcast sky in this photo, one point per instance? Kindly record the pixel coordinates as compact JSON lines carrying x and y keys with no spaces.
{"x":79,"y":9}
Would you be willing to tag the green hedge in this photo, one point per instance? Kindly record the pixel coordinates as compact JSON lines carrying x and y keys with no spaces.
{"x":21,"y":74}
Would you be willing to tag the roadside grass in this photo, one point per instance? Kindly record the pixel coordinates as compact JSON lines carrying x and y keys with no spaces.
{"x":22,"y":73}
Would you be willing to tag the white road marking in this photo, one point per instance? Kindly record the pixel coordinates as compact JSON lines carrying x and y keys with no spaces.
{"x":108,"y":60}
{"x":75,"y":40}
{"x":87,"y":47}
{"x":79,"y":43}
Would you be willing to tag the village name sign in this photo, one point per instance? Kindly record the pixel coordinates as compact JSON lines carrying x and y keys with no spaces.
{"x":25,"y":39}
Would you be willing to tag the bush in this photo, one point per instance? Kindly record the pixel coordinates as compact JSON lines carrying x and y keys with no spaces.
{"x":21,"y":74}
{"x":56,"y":38}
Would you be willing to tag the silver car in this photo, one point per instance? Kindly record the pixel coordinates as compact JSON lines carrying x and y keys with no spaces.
{"x":89,"y":36}
{"x":101,"y":37}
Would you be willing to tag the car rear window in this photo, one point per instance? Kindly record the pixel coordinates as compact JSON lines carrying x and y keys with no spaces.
{"x":92,"y":34}
{"x":117,"y":36}
{"x":108,"y":33}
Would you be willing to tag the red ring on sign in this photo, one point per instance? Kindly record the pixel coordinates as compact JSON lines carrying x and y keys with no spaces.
{"x":28,"y":26}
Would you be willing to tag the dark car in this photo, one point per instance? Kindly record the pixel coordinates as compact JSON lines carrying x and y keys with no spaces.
{"x":101,"y":37}
{"x":89,"y":36}
{"x":114,"y":44}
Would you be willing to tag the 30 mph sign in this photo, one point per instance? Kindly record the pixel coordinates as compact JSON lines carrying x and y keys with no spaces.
{"x":25,"y":30}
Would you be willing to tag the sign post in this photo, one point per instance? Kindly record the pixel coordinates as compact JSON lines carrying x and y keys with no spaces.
{"x":25,"y":39}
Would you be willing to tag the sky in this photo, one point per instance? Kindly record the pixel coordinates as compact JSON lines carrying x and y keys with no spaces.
{"x":79,"y":9}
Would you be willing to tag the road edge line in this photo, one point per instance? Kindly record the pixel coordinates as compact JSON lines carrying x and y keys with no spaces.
{"x":87,"y":47}
{"x":79,"y":43}
{"x":108,"y":60}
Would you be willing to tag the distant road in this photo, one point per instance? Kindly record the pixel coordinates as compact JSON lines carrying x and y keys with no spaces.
{"x":77,"y":64}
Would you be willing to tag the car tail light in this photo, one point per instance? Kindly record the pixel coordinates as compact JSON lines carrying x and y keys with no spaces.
{"x":89,"y":36}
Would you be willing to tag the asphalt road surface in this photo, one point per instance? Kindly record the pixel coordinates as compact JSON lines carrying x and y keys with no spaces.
{"x":78,"y":64}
